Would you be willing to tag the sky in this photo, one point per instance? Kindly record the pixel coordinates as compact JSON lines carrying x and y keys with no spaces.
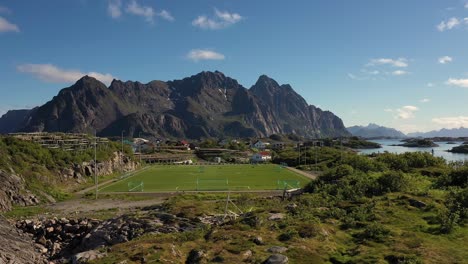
{"x":402,"y":64}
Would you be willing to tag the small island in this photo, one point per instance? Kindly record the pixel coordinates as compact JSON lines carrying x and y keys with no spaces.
{"x":460,"y":149}
{"x":418,"y":143}
{"x":358,"y":143}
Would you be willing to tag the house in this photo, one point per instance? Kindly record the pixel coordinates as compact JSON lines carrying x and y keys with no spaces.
{"x":263,"y":156}
{"x":259,"y":145}
{"x":143,"y":145}
{"x":184,"y":143}
{"x":278,"y":145}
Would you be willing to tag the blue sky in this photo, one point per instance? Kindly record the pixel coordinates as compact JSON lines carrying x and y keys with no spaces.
{"x":397,"y":63}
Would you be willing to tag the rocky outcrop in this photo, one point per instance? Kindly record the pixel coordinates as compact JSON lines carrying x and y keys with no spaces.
{"x":118,"y":162}
{"x":208,"y":104}
{"x":13,"y":192}
{"x":16,"y":247}
{"x":79,"y":239}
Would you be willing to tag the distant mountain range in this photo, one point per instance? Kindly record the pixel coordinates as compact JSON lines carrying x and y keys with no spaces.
{"x":455,"y":132}
{"x":208,"y":104}
{"x":375,"y":131}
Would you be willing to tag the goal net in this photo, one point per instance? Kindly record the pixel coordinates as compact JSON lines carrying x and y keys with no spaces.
{"x":288,"y":184}
{"x":135,"y":186}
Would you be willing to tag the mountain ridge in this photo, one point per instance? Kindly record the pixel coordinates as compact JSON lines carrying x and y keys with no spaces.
{"x":375,"y":131}
{"x":208,"y":104}
{"x":444,"y":132}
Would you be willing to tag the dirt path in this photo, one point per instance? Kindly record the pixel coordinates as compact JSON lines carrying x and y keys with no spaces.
{"x":309,"y":175}
{"x":87,"y":205}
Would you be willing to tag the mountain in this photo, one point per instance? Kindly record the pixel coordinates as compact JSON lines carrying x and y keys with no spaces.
{"x":375,"y":131}
{"x":12,"y":120}
{"x":208,"y":104}
{"x":455,"y":132}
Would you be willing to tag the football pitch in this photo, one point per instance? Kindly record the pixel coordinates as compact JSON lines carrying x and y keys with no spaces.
{"x":163,"y":178}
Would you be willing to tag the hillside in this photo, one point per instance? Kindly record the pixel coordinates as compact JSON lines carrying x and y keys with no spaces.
{"x":375,"y":131}
{"x":208,"y":104}
{"x":454,"y":133}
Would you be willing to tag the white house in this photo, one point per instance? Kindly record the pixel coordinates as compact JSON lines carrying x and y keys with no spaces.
{"x":261,"y":157}
{"x":259,"y":145}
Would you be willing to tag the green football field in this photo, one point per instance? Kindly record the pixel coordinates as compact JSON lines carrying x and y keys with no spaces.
{"x":208,"y":178}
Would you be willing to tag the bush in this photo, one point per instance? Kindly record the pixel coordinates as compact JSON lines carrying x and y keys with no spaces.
{"x":288,"y":235}
{"x":393,"y":181}
{"x":375,"y":232}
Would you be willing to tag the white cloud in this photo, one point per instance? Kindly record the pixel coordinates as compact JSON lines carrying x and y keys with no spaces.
{"x":425,"y":100}
{"x":166,"y":15}
{"x":352,"y":76}
{"x":114,"y":8}
{"x":198,"y":54}
{"x":406,"y":112}
{"x":399,"y":73}
{"x":400,"y":62}
{"x":449,"y":24}
{"x":6,"y":26}
{"x":451,"y":122}
{"x":144,"y":11}
{"x":458,"y":82}
{"x":388,"y":110}
{"x":445,"y":59}
{"x":51,"y":73}
{"x":466,"y":5}
{"x":219,"y":21}
{"x":430,"y":84}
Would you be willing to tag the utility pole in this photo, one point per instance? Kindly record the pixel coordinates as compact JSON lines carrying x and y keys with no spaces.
{"x":299,"y":145}
{"x":139,"y":145}
{"x":121,"y":154}
{"x":95,"y":163}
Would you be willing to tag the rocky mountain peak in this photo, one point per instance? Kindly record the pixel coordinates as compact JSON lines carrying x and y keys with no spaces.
{"x":208,"y":104}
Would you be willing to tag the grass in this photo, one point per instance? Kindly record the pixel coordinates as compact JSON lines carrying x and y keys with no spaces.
{"x":219,"y":177}
{"x":19,"y":212}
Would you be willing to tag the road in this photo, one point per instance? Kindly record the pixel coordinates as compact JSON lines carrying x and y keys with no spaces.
{"x":309,"y":175}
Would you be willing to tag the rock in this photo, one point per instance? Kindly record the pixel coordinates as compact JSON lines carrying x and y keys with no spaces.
{"x":41,"y":240}
{"x":291,"y":207}
{"x":258,"y":240}
{"x":276,"y":217}
{"x":277,"y":249}
{"x":195,"y":256}
{"x":42,"y":249}
{"x":276,"y":259}
{"x":247,"y":255}
{"x":417,"y":203}
{"x":50,"y":229}
{"x":85,"y":257}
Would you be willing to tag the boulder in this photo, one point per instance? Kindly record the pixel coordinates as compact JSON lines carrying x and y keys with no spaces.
{"x":195,"y":256}
{"x":277,"y":249}
{"x":276,"y":259}
{"x":276,"y":217}
{"x":417,"y":203}
{"x":258,"y":240}
{"x":87,"y":256}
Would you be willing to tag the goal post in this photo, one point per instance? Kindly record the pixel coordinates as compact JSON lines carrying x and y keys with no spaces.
{"x":135,"y":186}
{"x":288,"y":184}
